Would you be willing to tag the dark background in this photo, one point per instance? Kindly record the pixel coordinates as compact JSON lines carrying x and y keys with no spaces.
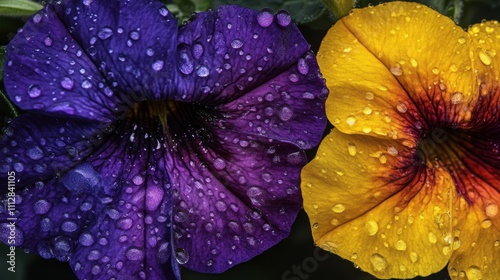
{"x":278,"y":262}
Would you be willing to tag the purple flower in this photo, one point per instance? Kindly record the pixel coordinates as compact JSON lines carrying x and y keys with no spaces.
{"x":145,"y":145}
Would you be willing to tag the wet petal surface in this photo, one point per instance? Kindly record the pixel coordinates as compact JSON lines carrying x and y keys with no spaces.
{"x":38,"y":148}
{"x":411,"y":169}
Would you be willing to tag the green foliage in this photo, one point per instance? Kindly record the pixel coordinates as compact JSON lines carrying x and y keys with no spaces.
{"x":18,"y":7}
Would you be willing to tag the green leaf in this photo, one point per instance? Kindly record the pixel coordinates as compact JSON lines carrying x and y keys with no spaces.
{"x":302,"y":11}
{"x":18,"y":7}
{"x":340,"y":8}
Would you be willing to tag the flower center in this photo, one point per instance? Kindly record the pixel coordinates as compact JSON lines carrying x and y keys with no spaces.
{"x":471,"y":157}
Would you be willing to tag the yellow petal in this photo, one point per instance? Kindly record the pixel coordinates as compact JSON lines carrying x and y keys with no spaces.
{"x":368,"y":205}
{"x":388,"y":65}
{"x":478,"y":230}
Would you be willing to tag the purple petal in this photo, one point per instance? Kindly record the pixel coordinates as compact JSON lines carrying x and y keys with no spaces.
{"x":47,"y":70}
{"x":49,"y":219}
{"x":132,"y":43}
{"x":132,"y":235}
{"x":237,"y":197}
{"x":110,"y":215}
{"x":289,"y":107}
{"x":224,"y":54}
{"x":39,"y":147}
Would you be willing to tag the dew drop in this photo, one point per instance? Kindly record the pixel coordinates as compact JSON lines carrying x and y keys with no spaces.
{"x":42,"y":206}
{"x":265,"y":18}
{"x":134,"y":35}
{"x":351,"y":120}
{"x":34,"y":91}
{"x":369,"y":96}
{"x":67,"y":83}
{"x":351,"y":148}
{"x":86,"y":239}
{"x":396,"y":70}
{"x":338,"y":208}
{"x":86,"y":84}
{"x":124,"y":223}
{"x":400,"y":245}
{"x":105,"y":33}
{"x":181,"y":255}
{"x":456,"y":97}
{"x":236,"y":44}
{"x":163,"y":11}
{"x":47,"y":41}
{"x":371,"y":227}
{"x":302,"y":66}
{"x":134,"y":254}
{"x":378,"y":261}
{"x":474,"y":273}
{"x":202,"y":71}
{"x":69,"y":226}
{"x":485,"y":58}
{"x":285,"y":113}
{"x":34,"y":153}
{"x":367,"y":110}
{"x":413,"y":257}
{"x":402,"y":107}
{"x":491,"y":210}
{"x":486,"y":223}
{"x":157,"y":65}
{"x":283,"y":18}
{"x":413,"y":62}
{"x":219,"y":164}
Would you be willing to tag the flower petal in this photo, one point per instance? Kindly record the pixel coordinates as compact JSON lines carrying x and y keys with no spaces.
{"x":38,"y":147}
{"x":288,"y":107}
{"x":131,"y":42}
{"x":403,"y":90}
{"x":404,"y":219}
{"x":47,"y":70}
{"x":238,"y":196}
{"x":228,"y":52}
{"x":479,"y":249}
{"x":132,"y":237}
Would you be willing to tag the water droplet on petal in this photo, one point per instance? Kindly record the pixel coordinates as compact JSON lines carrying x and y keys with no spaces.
{"x":202,"y":71}
{"x":34,"y":91}
{"x":105,"y":33}
{"x":47,"y":41}
{"x":302,"y":66}
{"x":42,"y":206}
{"x":134,"y":35}
{"x":219,"y":164}
{"x":134,"y":254}
{"x":338,"y":208}
{"x":400,"y":245}
{"x":157,"y":65}
{"x":236,"y":44}
{"x":371,"y":227}
{"x":351,"y":120}
{"x":197,"y":50}
{"x":491,"y":210}
{"x":124,"y":223}
{"x":163,"y":11}
{"x":285,"y":113}
{"x":69,"y":226}
{"x":351,"y":148}
{"x":86,"y":239}
{"x":474,"y":273}
{"x":67,"y":83}
{"x":485,"y":58}
{"x":34,"y":153}
{"x":378,"y":261}
{"x":265,"y":18}
{"x":283,"y":18}
{"x":86,"y":84}
{"x":181,"y":255}
{"x":456,"y":97}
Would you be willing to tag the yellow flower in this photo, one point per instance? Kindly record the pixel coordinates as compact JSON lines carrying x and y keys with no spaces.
{"x":409,"y":179}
